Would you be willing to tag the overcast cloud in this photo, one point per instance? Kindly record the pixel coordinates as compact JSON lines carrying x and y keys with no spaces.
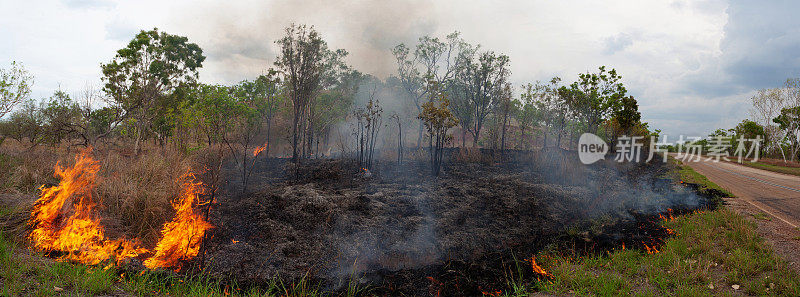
{"x":692,"y":65}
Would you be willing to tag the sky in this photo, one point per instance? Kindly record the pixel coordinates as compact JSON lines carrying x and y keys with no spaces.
{"x":692,"y":65}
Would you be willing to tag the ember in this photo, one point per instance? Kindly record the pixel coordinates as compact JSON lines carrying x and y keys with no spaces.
{"x":259,"y":149}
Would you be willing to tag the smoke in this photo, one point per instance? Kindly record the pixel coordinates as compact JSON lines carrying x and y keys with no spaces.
{"x":239,"y":42}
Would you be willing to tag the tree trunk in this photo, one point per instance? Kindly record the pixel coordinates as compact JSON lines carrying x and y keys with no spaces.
{"x":295,"y":131}
{"x":399,"y":142}
{"x":419,"y":139}
{"x":269,"y":130}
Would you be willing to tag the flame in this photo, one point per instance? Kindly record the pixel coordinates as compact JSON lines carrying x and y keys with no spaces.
{"x":650,"y":250}
{"x":63,"y":221}
{"x":436,"y":283}
{"x":538,"y":269}
{"x":259,"y":149}
{"x":182,"y":237}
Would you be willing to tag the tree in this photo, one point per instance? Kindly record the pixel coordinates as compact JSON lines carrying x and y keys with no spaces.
{"x":595,"y":96}
{"x":368,"y":124}
{"x":549,"y":102}
{"x":432,"y":60}
{"x":483,"y":78}
{"x":265,"y":94}
{"x":15,"y":86}
{"x":767,"y":104}
{"x":789,"y":122}
{"x":308,"y":66}
{"x":505,"y":108}
{"x":148,"y":71}
{"x":625,"y":118}
{"x":526,"y":118}
{"x":60,"y":116}
{"x":25,"y":123}
{"x":438,"y":120}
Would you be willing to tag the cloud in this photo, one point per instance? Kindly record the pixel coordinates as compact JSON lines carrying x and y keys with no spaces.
{"x":759,"y":50}
{"x":90,"y":4}
{"x":121,"y":29}
{"x":238,"y":38}
{"x":616,"y":43}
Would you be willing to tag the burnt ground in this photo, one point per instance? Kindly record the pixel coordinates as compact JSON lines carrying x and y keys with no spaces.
{"x":404,"y":232}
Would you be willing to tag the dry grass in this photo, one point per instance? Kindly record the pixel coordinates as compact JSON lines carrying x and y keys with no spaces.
{"x":133,"y":191}
{"x":471,"y":155}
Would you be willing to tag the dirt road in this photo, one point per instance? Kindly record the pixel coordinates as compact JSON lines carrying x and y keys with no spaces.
{"x":776,"y":194}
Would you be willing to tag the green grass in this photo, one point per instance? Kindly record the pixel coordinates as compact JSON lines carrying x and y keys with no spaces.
{"x":762,"y":216}
{"x":718,"y":248}
{"x":773,"y":168}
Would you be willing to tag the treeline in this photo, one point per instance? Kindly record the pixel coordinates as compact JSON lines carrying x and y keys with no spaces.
{"x":476,"y":84}
{"x":150,"y":92}
{"x":775,"y":120}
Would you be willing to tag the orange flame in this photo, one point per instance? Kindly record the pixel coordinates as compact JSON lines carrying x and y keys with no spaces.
{"x":63,"y":220}
{"x":182,"y":237}
{"x":538,"y":269}
{"x":650,"y":250}
{"x":259,"y":149}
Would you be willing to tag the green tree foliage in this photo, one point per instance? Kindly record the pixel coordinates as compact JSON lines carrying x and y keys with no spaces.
{"x":15,"y":86}
{"x":145,"y":78}
{"x":595,"y":96}
{"x":789,"y":121}
{"x":60,"y":118}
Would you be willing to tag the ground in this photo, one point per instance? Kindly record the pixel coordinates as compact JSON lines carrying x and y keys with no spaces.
{"x":398,"y":229}
{"x":330,"y":226}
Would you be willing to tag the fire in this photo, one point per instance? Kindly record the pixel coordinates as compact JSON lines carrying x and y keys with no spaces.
{"x":538,"y":269}
{"x":182,"y":237}
{"x":650,"y":250}
{"x":63,"y":221}
{"x":259,"y":149}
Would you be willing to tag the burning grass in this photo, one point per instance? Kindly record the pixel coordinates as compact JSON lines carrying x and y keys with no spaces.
{"x":66,"y":225}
